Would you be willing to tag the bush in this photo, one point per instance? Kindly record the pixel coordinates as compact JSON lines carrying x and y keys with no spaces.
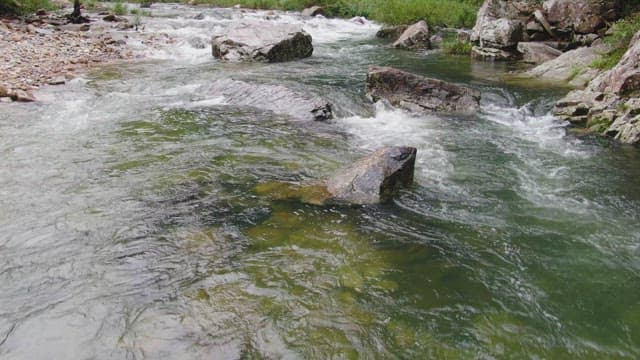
{"x":621,"y":34}
{"x":457,"y":47}
{"x":120,"y":8}
{"x":14,"y":7}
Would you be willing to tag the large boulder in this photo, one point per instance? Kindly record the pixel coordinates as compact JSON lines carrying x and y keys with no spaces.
{"x":418,"y":93}
{"x":580,"y":16}
{"x":373,"y":179}
{"x":262,"y":41}
{"x":537,"y":53}
{"x":275,"y":98}
{"x":391,"y":32}
{"x":611,"y":103}
{"x":493,"y":10}
{"x":500,"y":33}
{"x":313,"y":11}
{"x":573,"y":66}
{"x":416,"y":36}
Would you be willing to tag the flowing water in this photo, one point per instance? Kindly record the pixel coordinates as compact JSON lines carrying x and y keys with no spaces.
{"x":133,"y":224}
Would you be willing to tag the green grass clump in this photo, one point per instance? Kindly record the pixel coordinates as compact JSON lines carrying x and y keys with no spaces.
{"x":457,"y":47}
{"x":454,"y":13}
{"x":621,"y":35}
{"x":120,"y":8}
{"x":21,"y":7}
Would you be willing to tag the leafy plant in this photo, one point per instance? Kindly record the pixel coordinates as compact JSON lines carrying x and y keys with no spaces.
{"x":457,"y":47}
{"x":120,"y":8}
{"x":620,"y":36}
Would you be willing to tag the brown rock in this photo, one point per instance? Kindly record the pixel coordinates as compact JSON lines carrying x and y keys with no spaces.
{"x":581,"y":16}
{"x":23,"y":96}
{"x":537,"y":53}
{"x":416,"y":36}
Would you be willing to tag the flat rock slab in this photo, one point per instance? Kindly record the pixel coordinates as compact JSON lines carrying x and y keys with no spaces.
{"x":418,"y":93}
{"x":275,"y":98}
{"x":262,"y":41}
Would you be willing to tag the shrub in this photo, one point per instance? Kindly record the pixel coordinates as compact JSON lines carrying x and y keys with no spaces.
{"x":457,"y":47}
{"x":120,"y":8}
{"x":621,"y":34}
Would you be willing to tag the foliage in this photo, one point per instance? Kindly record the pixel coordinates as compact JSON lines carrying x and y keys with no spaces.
{"x":457,"y":47}
{"x":13,"y":7}
{"x":621,"y":34}
{"x":456,"y":13}
{"x":120,"y":8}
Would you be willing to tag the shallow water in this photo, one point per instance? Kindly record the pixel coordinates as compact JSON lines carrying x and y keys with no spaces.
{"x":133,"y":225}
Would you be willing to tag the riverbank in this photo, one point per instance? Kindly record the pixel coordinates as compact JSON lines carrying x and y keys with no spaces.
{"x":44,"y":50}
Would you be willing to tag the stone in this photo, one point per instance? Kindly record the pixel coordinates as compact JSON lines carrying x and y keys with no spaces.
{"x":41,"y":12}
{"x":537,"y":53}
{"x":197,"y":43}
{"x":493,"y":10}
{"x":58,"y":80}
{"x":110,"y":18}
{"x":416,"y":36}
{"x":373,"y":179}
{"x":565,"y":67}
{"x":262,"y":41}
{"x":580,"y":16}
{"x":275,"y":98}
{"x":199,"y":16}
{"x":500,"y":33}
{"x":23,"y":96}
{"x":313,"y":11}
{"x":624,"y":78}
{"x":417,"y":93}
{"x":491,"y":54}
{"x":391,"y":32}
{"x":542,"y":20}
{"x":4,"y":91}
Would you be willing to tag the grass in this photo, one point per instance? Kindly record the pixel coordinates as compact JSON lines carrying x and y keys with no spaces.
{"x":453,"y":13}
{"x":10,"y":7}
{"x":120,"y":8}
{"x":622,"y":32}
{"x":457,"y":47}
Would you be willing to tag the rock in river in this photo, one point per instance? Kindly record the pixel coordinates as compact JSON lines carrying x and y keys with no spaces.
{"x":416,"y":36}
{"x":417,"y":93}
{"x":276,"y":98}
{"x":373,"y":179}
{"x":262,"y":41}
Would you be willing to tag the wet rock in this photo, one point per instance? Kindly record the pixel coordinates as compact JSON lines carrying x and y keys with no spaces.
{"x":275,"y":98}
{"x":417,"y":93}
{"x":262,"y":41}
{"x":416,"y":36}
{"x":199,"y":16}
{"x":580,"y":16}
{"x":391,"y":32}
{"x":373,"y":179}
{"x":197,"y":43}
{"x":537,"y":53}
{"x":491,"y":54}
{"x":23,"y":96}
{"x":313,"y":11}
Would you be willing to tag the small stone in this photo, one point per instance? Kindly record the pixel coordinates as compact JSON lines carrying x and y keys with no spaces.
{"x":41,"y":12}
{"x":23,"y":96}
{"x":58,"y":80}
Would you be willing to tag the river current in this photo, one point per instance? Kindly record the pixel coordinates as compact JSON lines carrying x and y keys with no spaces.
{"x":133,"y":223}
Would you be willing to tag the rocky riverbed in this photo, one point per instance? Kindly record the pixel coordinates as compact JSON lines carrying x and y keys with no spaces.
{"x":45,"y":50}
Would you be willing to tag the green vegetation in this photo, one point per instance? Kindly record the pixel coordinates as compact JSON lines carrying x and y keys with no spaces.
{"x":456,"y":13}
{"x":621,"y":34}
{"x":13,"y":7}
{"x":120,"y":8}
{"x":457,"y":47}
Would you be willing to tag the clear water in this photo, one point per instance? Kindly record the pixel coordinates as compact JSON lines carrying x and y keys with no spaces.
{"x":131,"y":225}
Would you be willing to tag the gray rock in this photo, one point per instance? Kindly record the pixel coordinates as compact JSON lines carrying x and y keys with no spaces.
{"x":491,"y":54}
{"x":493,"y":10}
{"x":501,"y":33}
{"x":570,"y":66}
{"x":580,"y":16}
{"x":373,"y":179}
{"x":262,"y":41}
{"x":537,"y":53}
{"x":197,"y":43}
{"x":23,"y":96}
{"x":313,"y":11}
{"x":416,"y":36}
{"x":275,"y":98}
{"x":417,"y":93}
{"x":391,"y":32}
{"x":58,"y":80}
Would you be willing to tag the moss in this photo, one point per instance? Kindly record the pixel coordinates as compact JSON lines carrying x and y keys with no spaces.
{"x":457,"y":47}
{"x":598,"y":124}
{"x":574,"y":73}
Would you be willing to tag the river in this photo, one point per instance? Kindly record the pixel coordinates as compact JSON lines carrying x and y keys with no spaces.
{"x":132,"y":223}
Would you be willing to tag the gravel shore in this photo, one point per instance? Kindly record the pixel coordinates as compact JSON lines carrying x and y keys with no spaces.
{"x":44,"y":50}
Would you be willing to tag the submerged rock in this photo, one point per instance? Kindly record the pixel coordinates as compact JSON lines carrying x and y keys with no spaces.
{"x":374,"y":178}
{"x":491,"y":54}
{"x":262,"y":41}
{"x":275,"y":98}
{"x":417,"y":93}
{"x":611,"y":103}
{"x":416,"y":36}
